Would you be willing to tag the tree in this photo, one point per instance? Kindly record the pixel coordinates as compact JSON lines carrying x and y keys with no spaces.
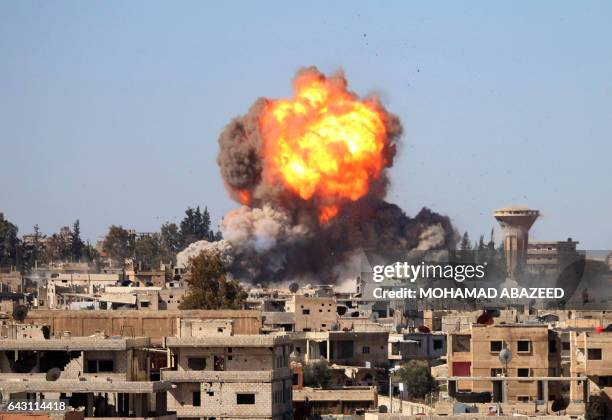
{"x":209,"y":287}
{"x":148,"y":252}
{"x":317,"y":374}
{"x":417,"y":378}
{"x":33,"y":249}
{"x":465,"y":244}
{"x":8,"y":242}
{"x":195,"y":226}
{"x":119,"y":244}
{"x":170,"y":238}
{"x":59,"y":245}
{"x":76,"y":243}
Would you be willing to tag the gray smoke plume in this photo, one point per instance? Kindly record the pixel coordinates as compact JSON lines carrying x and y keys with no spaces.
{"x":277,"y":235}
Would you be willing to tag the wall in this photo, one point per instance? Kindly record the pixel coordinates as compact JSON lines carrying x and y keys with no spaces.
{"x":155,"y":325}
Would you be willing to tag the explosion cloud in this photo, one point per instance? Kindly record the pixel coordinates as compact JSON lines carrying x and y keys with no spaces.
{"x":310,"y":173}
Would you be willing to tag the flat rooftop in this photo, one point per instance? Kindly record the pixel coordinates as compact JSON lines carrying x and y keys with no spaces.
{"x":341,"y":394}
{"x":228,"y":341}
{"x":75,"y":344}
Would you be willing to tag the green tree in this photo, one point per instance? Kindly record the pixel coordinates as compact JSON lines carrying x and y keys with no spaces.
{"x":195,"y":226}
{"x":148,"y":251}
{"x":59,"y":245}
{"x":465,"y":244}
{"x":317,"y":374}
{"x":417,"y":378}
{"x":170,"y":241}
{"x":209,"y":287}
{"x":119,"y":243}
{"x":33,"y":249}
{"x":76,"y":243}
{"x":8,"y":242}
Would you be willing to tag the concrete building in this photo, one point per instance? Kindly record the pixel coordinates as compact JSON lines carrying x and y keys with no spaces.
{"x":313,"y":313}
{"x":342,"y":347}
{"x":416,"y":346}
{"x":223,"y":376}
{"x":153,"y":324}
{"x":591,"y":356}
{"x":312,"y":402}
{"x":535,"y":358}
{"x":515,"y":222}
{"x":108,"y":377}
{"x":551,"y":257}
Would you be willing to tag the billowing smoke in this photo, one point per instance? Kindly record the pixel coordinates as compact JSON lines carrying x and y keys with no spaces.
{"x":310,"y":173}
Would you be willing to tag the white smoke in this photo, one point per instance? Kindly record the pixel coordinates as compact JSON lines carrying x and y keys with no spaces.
{"x":258,"y":229}
{"x":223,"y":247}
{"x":432,"y":237}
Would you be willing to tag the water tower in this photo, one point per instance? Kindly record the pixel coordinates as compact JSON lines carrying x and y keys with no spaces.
{"x":515,"y":223}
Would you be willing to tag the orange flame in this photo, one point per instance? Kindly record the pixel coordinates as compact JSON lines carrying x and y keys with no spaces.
{"x":244,"y":196}
{"x":324,"y":144}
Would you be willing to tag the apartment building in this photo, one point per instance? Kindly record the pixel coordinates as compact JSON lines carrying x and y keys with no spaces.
{"x":535,"y":360}
{"x":313,"y":313}
{"x":224,"y":376}
{"x":416,"y":346}
{"x":105,"y":377}
{"x":343,"y":347}
{"x":591,"y":356}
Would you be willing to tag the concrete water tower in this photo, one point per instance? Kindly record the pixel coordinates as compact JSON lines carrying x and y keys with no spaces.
{"x":515,"y":223}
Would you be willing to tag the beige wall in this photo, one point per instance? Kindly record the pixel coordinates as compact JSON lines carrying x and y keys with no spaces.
{"x":155,"y":325}
{"x":312,"y":313}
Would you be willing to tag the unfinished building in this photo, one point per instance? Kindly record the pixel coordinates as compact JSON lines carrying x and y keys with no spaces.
{"x":223,"y":376}
{"x":103,"y":377}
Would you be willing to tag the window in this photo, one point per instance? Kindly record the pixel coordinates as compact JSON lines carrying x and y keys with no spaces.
{"x":196,"y":398}
{"x":523,"y":346}
{"x":196,"y":363}
{"x":594,"y":354}
{"x":438,"y":344}
{"x":522,"y":398}
{"x":522,"y":372}
{"x":105,"y":366}
{"x":365,"y":350}
{"x":95,"y":366}
{"x":565,"y":345}
{"x":552,"y":346}
{"x":496,"y":346}
{"x":144,"y":304}
{"x":496,"y":372}
{"x":305,"y":311}
{"x":605,"y":381}
{"x":245,"y":399}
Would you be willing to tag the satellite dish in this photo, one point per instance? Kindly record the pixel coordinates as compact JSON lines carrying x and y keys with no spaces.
{"x":20,"y":312}
{"x":53,"y":374}
{"x":294,"y":287}
{"x":505,"y":356}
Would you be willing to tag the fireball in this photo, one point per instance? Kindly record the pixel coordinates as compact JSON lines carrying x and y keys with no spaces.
{"x":325,"y":144}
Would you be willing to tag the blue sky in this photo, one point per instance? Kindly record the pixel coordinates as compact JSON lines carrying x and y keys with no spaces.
{"x":110,"y":111}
